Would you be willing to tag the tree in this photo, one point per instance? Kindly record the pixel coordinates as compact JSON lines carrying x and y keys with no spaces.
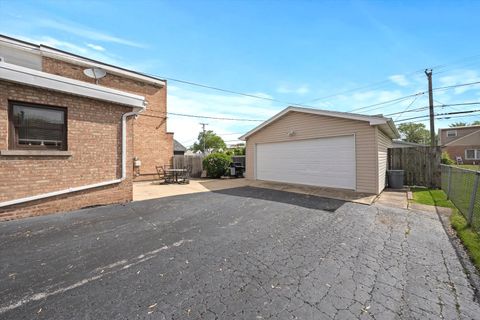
{"x":414,"y":132}
{"x":212,"y":142}
{"x":476,"y":123}
{"x":457,"y":124}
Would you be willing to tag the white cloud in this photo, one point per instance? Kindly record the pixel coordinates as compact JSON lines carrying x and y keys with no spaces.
{"x":186,"y":129}
{"x":301,"y":90}
{"x":459,"y":77}
{"x":399,"y":79}
{"x":95,"y":47}
{"x":85,"y":32}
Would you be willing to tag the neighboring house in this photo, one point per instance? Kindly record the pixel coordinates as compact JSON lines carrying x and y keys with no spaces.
{"x":406,"y":144}
{"x":461,"y":142}
{"x":66,"y":140}
{"x":178,"y":148}
{"x":321,"y":148}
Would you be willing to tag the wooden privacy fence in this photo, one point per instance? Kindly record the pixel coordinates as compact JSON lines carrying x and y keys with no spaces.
{"x":421,"y":165}
{"x":194,"y":163}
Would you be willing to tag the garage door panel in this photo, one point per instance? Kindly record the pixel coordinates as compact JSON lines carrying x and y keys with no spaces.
{"x":328,"y":162}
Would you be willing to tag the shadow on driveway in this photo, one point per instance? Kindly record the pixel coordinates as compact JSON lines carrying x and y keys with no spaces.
{"x":297,"y":199}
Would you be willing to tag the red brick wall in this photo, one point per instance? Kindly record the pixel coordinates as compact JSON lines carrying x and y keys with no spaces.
{"x":94,"y":139}
{"x":153,"y":145}
{"x":455,"y":151}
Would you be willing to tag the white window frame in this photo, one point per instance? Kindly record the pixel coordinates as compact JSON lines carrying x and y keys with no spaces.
{"x":451,"y":131}
{"x":476,"y":154}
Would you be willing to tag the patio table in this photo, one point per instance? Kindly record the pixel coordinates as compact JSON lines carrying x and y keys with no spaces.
{"x":176,"y":173}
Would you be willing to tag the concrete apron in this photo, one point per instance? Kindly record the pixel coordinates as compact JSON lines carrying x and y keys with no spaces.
{"x":393,"y":198}
{"x":153,"y":190}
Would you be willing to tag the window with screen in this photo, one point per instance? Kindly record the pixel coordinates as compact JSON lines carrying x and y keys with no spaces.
{"x":37,"y":127}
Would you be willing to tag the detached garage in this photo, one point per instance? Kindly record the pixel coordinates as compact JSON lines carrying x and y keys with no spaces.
{"x":321,"y":148}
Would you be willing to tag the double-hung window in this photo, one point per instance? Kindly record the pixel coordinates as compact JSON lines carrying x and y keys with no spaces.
{"x":37,"y":127}
{"x":472,"y":154}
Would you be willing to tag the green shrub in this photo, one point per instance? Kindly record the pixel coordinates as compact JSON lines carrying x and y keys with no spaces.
{"x":216,"y":164}
{"x":445,"y":159}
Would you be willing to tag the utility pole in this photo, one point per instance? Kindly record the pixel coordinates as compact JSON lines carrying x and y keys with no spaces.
{"x":203,"y":129}
{"x":433,"y":143}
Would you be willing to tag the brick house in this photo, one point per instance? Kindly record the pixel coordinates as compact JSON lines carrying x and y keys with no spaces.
{"x":461,"y":142}
{"x":68,"y":141}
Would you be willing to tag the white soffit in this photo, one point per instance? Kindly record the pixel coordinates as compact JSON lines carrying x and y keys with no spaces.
{"x":42,"y":50}
{"x":26,"y":76}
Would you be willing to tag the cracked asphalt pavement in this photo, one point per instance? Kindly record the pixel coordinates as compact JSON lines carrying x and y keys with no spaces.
{"x":243,"y":253}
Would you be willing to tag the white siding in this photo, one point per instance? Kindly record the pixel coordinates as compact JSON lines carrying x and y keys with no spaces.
{"x":308,"y":126}
{"x":383,"y":143}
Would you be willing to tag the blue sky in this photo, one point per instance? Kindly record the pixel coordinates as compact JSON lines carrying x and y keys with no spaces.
{"x":292,"y":51}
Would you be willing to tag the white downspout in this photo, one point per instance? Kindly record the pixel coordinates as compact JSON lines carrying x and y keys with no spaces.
{"x":89,"y":186}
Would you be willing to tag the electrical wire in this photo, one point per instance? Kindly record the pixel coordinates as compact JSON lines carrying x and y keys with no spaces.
{"x":406,"y":109}
{"x":441,"y":114}
{"x":393,"y":101}
{"x":397,"y":100}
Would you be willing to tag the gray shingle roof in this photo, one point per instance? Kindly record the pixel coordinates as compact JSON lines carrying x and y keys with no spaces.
{"x":177,"y":146}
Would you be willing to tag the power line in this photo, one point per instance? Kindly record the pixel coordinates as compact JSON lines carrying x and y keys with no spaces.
{"x":262,"y":97}
{"x":380,"y":83}
{"x":415,"y":94}
{"x":215,"y":118}
{"x":389,"y":101}
{"x":406,"y":109}
{"x":441,"y":114}
{"x":442,"y":105}
{"x":222,"y":90}
{"x":207,"y":117}
{"x":371,"y":85}
{"x":393,"y":101}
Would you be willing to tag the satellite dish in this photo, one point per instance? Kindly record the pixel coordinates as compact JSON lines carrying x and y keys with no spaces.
{"x":95,"y":73}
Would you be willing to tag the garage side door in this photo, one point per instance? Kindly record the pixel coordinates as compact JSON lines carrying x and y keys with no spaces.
{"x":325,"y":162}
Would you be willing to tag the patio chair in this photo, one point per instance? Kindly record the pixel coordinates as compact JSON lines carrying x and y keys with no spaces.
{"x":167,"y":177}
{"x":185,"y":176}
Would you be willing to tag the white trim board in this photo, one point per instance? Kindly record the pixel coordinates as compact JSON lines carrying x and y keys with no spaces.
{"x":40,"y":79}
{"x":42,"y":50}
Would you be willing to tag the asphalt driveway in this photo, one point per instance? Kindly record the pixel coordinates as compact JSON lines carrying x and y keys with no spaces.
{"x":243,"y":253}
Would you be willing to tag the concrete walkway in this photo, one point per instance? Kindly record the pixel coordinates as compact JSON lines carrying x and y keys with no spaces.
{"x":155,"y":190}
{"x":393,"y":198}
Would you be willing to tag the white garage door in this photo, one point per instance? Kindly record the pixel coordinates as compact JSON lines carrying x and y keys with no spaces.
{"x":326,"y":162}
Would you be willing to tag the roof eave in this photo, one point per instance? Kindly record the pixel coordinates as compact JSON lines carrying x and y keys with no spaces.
{"x":40,"y":79}
{"x":373,"y":121}
{"x":47,"y":51}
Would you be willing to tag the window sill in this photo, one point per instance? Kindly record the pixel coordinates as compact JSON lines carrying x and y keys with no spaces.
{"x":36,"y":153}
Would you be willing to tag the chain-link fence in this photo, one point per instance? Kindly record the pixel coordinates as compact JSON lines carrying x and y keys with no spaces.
{"x":462,"y":187}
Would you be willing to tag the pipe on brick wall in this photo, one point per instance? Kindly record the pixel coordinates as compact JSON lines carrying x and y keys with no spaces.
{"x":89,"y":186}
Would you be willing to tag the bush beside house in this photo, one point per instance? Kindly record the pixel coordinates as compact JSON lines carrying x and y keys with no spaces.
{"x":216,"y":164}
{"x":445,"y":158}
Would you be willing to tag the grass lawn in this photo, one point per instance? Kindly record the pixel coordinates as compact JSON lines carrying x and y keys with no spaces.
{"x":470,"y":238}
